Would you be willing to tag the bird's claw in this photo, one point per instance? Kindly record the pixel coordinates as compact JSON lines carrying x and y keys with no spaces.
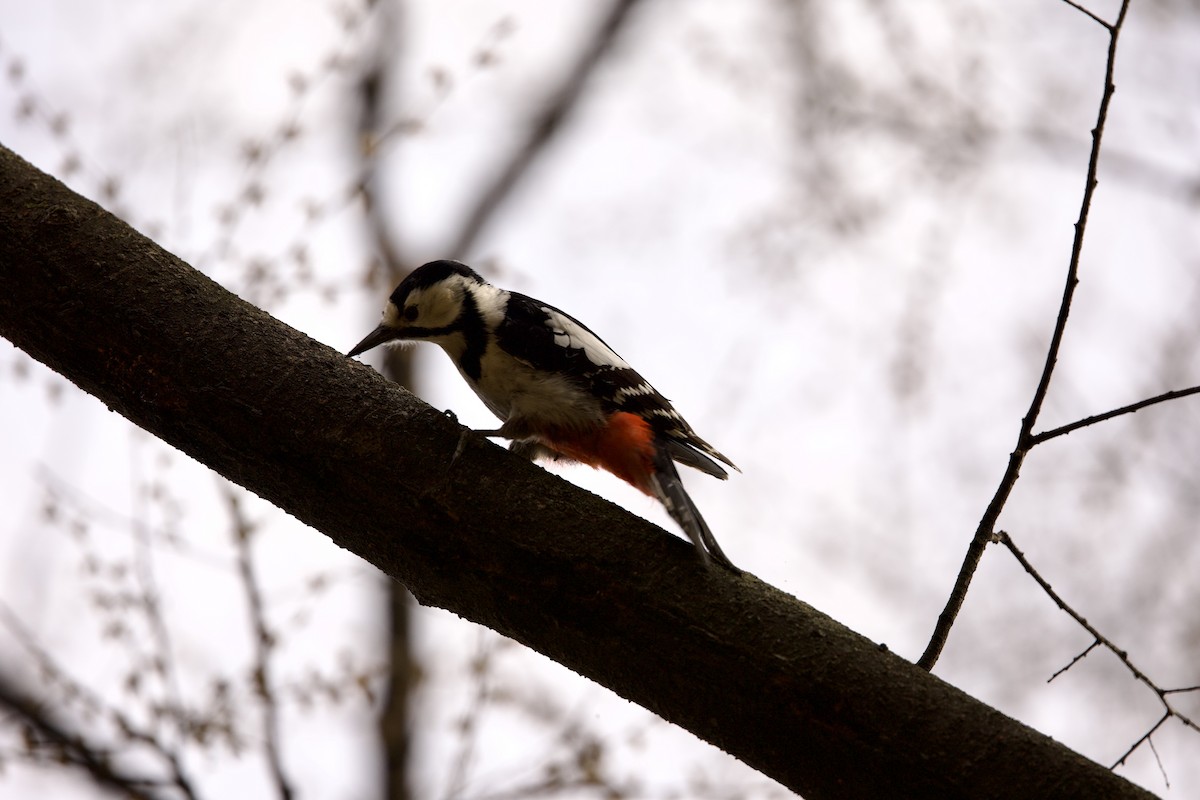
{"x":467,"y":434}
{"x":462,"y":444}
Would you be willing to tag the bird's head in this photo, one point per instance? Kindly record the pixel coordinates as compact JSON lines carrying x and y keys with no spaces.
{"x":426,"y":306}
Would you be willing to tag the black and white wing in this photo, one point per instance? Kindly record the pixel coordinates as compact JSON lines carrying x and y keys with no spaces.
{"x":538,"y":333}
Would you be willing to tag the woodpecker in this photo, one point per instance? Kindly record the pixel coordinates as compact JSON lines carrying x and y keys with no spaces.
{"x":559,"y":390}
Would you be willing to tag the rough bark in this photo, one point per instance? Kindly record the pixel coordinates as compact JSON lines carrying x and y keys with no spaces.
{"x":491,"y":537}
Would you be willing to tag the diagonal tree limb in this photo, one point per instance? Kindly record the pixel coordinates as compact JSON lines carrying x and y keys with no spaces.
{"x":493,"y":537}
{"x":1025,"y":437}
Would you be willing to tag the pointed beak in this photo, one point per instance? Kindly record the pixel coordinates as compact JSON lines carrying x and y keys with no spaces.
{"x":375,"y":338}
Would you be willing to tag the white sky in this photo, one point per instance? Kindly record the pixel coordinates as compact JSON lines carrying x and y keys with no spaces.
{"x":682,"y":218}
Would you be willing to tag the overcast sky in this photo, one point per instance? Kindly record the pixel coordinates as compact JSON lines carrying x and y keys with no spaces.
{"x":835,"y":237}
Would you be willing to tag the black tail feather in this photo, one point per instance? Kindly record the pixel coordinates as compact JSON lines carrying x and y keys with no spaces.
{"x":687,"y":454}
{"x":670,"y":492}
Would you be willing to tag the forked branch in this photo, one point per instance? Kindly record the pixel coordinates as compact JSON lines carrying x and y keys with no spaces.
{"x":1025,"y":437}
{"x":1100,"y":640}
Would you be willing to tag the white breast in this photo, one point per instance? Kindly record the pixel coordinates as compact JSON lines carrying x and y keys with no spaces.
{"x":516,"y":392}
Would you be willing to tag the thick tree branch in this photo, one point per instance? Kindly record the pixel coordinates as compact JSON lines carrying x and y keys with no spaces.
{"x":493,"y":537}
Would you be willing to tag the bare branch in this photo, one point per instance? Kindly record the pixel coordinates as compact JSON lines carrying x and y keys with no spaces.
{"x":73,"y":748}
{"x":370,"y":133}
{"x":1107,"y":25}
{"x":1062,"y":430}
{"x":1095,"y":643}
{"x":1145,"y":738}
{"x":150,"y":607}
{"x":472,"y":719}
{"x":1158,"y":760}
{"x":96,"y":511}
{"x":541,"y":130}
{"x":57,"y":678}
{"x":264,"y":642}
{"x":1169,"y":710}
{"x":987,"y":524}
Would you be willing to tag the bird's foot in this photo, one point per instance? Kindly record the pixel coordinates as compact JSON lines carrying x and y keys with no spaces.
{"x":465,"y":437}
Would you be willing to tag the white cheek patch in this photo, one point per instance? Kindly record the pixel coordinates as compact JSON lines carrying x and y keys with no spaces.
{"x":391,"y":315}
{"x":437,"y":306}
{"x":568,"y":333}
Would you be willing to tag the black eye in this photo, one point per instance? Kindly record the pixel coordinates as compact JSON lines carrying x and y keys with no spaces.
{"x":410,"y":313}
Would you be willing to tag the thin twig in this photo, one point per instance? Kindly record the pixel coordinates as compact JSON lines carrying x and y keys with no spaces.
{"x":1158,"y":760}
{"x":1062,"y":430}
{"x":987,"y":524}
{"x":1003,"y":538}
{"x":1145,"y":738}
{"x":541,"y":130}
{"x":163,"y":664}
{"x":1080,"y":657}
{"x":243,"y":530}
{"x":1169,"y":711}
{"x":471,"y":721}
{"x":1108,"y":26}
{"x":179,"y":778}
{"x":98,"y":513}
{"x":72,"y":748}
{"x":74,"y":691}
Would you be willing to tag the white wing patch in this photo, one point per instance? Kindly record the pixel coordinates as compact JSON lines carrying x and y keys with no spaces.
{"x":633,"y":391}
{"x":569,"y":333}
